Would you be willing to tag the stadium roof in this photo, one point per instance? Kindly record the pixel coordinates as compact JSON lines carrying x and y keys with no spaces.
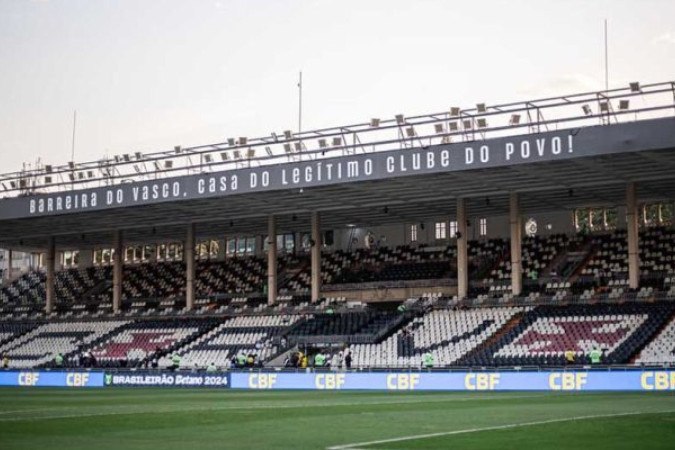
{"x":612,"y":148}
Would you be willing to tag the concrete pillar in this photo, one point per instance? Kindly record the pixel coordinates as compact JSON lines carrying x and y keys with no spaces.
{"x":516,"y":241}
{"x":189,"y":254}
{"x":316,"y":256}
{"x":632,"y":232}
{"x":117,"y":271}
{"x":51,"y":276}
{"x":10,"y":265}
{"x":272,"y":260}
{"x":462,"y":250}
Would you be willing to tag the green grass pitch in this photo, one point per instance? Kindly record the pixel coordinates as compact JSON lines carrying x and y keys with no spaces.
{"x":162,"y":418}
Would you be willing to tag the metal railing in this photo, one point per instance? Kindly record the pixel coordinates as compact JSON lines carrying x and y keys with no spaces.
{"x":454,"y":125}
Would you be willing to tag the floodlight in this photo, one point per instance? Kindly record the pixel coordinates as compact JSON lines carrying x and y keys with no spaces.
{"x":624,"y":105}
{"x":288,"y":134}
{"x":482,"y":123}
{"x":48,"y":168}
{"x":71,"y":164}
{"x":287,"y":147}
{"x":635,"y":86}
{"x":230,"y":142}
{"x":515,"y":119}
{"x":323,"y":143}
{"x":237,"y":155}
{"x":177,"y":149}
{"x":410,"y":132}
{"x":13,"y":184}
{"x":604,"y":106}
{"x":250,"y":153}
{"x":298,"y":146}
{"x":80,"y":175}
{"x":337,"y":141}
{"x":268,"y":151}
{"x":374,"y":123}
{"x":224,"y":156}
{"x":480,"y":107}
{"x":440,"y":129}
{"x":71,"y":177}
{"x":242,"y":141}
{"x":168,"y":164}
{"x":207,"y":158}
{"x":126,"y":157}
{"x":454,"y":111}
{"x":400,"y":119}
{"x":467,"y":124}
{"x":587,"y":110}
{"x":90,"y":173}
{"x":48,"y":180}
{"x":139,"y":155}
{"x":453,"y":126}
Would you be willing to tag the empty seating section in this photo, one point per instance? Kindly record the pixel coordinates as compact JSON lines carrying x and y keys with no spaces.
{"x":247,"y":334}
{"x":342,"y":324}
{"x":144,"y":339}
{"x":661,"y":350}
{"x":547,"y":332}
{"x":40,"y":345}
{"x":446,"y":334}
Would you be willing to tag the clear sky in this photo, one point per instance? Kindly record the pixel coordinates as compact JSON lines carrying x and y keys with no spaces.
{"x":148,"y":75}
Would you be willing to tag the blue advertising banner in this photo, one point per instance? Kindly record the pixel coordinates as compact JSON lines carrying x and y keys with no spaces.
{"x":51,"y":379}
{"x":170,"y":379}
{"x":655,"y":380}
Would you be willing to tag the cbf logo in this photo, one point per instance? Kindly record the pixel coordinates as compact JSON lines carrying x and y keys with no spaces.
{"x":108,"y":379}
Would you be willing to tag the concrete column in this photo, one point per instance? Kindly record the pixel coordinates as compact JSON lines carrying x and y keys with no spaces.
{"x":272,"y":260}
{"x":516,"y":241}
{"x":316,"y":256}
{"x":462,"y":250}
{"x":189,"y":254}
{"x":10,"y":265}
{"x":117,"y":271}
{"x":632,"y":232}
{"x":51,"y":276}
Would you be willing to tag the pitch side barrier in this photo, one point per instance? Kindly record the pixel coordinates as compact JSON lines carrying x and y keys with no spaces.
{"x":646,"y":380}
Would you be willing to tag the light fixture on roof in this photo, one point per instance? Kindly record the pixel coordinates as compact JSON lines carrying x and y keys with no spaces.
{"x":482,"y":122}
{"x":604,"y":106}
{"x":80,"y":175}
{"x":480,"y":107}
{"x":287,"y":147}
{"x":71,"y":164}
{"x":243,"y":141}
{"x":400,"y":119}
{"x":410,"y":132}
{"x":157,"y":166}
{"x":374,"y":122}
{"x":177,"y":149}
{"x":168,"y":164}
{"x":275,"y":137}
{"x":224,"y":156}
{"x":587,"y":110}
{"x":624,"y":105}
{"x":13,"y":184}
{"x":268,"y":150}
{"x":48,"y":180}
{"x":126,"y":157}
{"x":323,"y":143}
{"x":453,"y":126}
{"x":454,"y":111}
{"x":288,"y":134}
{"x":337,"y":141}
{"x":439,"y":128}
{"x":90,"y":173}
{"x":207,"y":158}
{"x":515,"y":119}
{"x":298,"y":146}
{"x":48,"y":168}
{"x":467,"y":124}
{"x":139,"y":155}
{"x":71,"y":177}
{"x":231,"y":142}
{"x":635,"y":86}
{"x":250,"y":153}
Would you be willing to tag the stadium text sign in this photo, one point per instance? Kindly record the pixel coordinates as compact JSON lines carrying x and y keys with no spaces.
{"x":497,"y":152}
{"x":166,"y":379}
{"x":632,"y":380}
{"x":29,"y":378}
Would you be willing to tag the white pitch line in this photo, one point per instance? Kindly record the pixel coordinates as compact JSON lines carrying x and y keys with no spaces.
{"x":242,"y":408}
{"x":358,"y":445}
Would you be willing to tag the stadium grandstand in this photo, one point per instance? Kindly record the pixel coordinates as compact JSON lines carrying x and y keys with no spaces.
{"x":497,"y":235}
